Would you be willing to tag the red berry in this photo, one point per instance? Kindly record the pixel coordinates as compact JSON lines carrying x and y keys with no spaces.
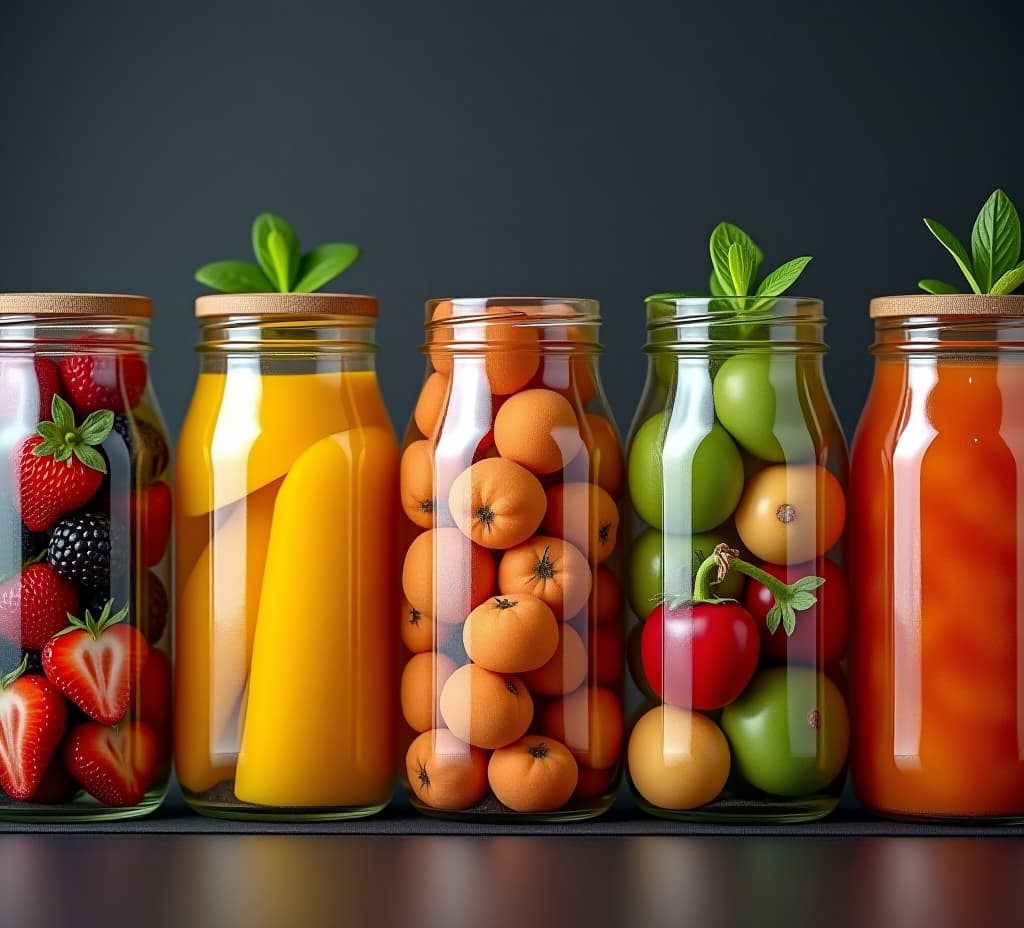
{"x":49,"y":384}
{"x":94,"y":382}
{"x":57,"y":785}
{"x":151,"y":516}
{"x":32,"y":722}
{"x":34,"y":606}
{"x":115,"y":765}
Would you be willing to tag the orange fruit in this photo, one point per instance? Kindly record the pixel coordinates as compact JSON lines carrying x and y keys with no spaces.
{"x":445,"y":773}
{"x":538,"y":429}
{"x":462,"y":577}
{"x":570,"y":374}
{"x":589,"y":722}
{"x":565,"y":671}
{"x":511,"y":634}
{"x":594,"y":783}
{"x":605,"y":450}
{"x":423,"y":679}
{"x":417,"y":483}
{"x":609,"y":605}
{"x":428,"y":409}
{"x":417,"y":629}
{"x":585,"y":515}
{"x":550,"y":569}
{"x":607,"y":656}
{"x":536,"y":774}
{"x":486,"y":709}
{"x":497,"y":503}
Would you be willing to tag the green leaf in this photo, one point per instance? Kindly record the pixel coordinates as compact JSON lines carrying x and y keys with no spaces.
{"x":323,"y":264}
{"x":62,"y":453}
{"x":956,"y":249}
{"x":96,"y":427}
{"x":715,"y":286}
{"x":47,"y":448}
{"x":682,"y":295}
{"x":931,"y":285}
{"x":783,"y":277}
{"x":995,"y":240}
{"x":788,"y":619}
{"x":234,"y":277}
{"x":741,"y":267}
{"x":1010,"y":281}
{"x":724,"y":235}
{"x":808,"y":583}
{"x":50,"y":432}
{"x":62,"y":414}
{"x":283,"y":276}
{"x":90,"y":457}
{"x":774,"y":618}
{"x":803,"y":600}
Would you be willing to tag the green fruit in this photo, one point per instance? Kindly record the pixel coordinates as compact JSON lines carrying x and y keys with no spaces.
{"x":757,"y":399}
{"x":648,"y":579}
{"x":789,"y":731}
{"x":692,"y":480}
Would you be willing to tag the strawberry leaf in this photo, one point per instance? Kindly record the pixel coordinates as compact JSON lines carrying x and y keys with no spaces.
{"x":96,"y":427}
{"x":63,"y":415}
{"x":90,"y":457}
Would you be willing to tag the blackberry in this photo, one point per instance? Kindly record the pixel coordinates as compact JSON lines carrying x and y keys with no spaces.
{"x":79,"y":549}
{"x":147,"y":448}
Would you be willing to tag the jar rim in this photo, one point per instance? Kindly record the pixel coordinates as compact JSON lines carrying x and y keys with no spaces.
{"x":213,"y":305}
{"x":699,"y":310}
{"x":947,"y":304}
{"x":76,"y":304}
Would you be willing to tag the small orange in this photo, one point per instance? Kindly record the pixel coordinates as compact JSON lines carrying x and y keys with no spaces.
{"x":607,"y":656}
{"x":446,"y":575}
{"x":585,"y":515}
{"x":430,"y":403}
{"x":567,"y":668}
{"x":423,"y":679}
{"x":538,"y":429}
{"x":605,"y":449}
{"x":571,"y":375}
{"x":486,"y":709}
{"x":511,"y":634}
{"x":609,"y":604}
{"x":417,"y":629}
{"x":589,"y":722}
{"x":536,"y":774}
{"x":445,"y":773}
{"x":417,"y":483}
{"x":550,"y":569}
{"x":594,"y":783}
{"x":497,"y":503}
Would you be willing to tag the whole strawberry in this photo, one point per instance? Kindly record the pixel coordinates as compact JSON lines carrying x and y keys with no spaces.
{"x":32,"y":723}
{"x":58,"y":470}
{"x":96,"y":663}
{"x":35,"y":605}
{"x":96,"y":382}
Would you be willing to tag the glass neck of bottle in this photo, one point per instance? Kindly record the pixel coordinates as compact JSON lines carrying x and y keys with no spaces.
{"x":947,"y":336}
{"x":88,"y":334}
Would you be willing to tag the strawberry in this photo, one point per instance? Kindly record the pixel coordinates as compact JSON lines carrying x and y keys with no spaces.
{"x":59,"y":470}
{"x":49,"y":383}
{"x":151,"y":518}
{"x":32,"y":722}
{"x":35,"y":605}
{"x":96,"y":663}
{"x":96,"y":382}
{"x":115,"y":765}
{"x":152,"y":702}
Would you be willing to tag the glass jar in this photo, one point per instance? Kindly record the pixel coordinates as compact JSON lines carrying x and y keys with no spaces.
{"x":736,"y":452}
{"x":286,"y":520}
{"x":85,"y":524}
{"x":937,"y":539}
{"x":511,"y":478}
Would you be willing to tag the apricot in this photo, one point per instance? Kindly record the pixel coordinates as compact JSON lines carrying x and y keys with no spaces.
{"x":570,"y":374}
{"x":497,"y":503}
{"x":417,"y":483}
{"x":447,"y":576}
{"x":550,"y":569}
{"x":594,"y":783}
{"x":511,"y":634}
{"x":536,"y":774}
{"x":445,"y":773}
{"x":427,"y":413}
{"x":538,"y":429}
{"x":423,"y":679}
{"x":486,"y":709}
{"x":589,"y":722}
{"x":607,"y":469}
{"x":565,"y":671}
{"x":417,"y":629}
{"x":585,"y":515}
{"x":610,"y":604}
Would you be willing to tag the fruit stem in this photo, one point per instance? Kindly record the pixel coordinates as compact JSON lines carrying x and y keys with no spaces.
{"x":7,"y":679}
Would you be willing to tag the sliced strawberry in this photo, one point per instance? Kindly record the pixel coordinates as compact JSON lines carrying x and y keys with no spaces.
{"x":96,"y":663}
{"x":151,"y":517}
{"x":57,"y":784}
{"x":32,"y":722}
{"x":115,"y":765}
{"x":34,"y":606}
{"x":97,"y":382}
{"x":59,"y":469}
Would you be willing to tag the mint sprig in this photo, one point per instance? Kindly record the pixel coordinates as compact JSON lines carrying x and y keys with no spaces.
{"x":64,"y":441}
{"x":994,"y":265}
{"x":281,"y":265}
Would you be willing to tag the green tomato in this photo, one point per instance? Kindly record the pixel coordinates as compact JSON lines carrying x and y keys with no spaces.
{"x":652,"y":551}
{"x":757,"y":399}
{"x":789,"y":731}
{"x":701,"y":473}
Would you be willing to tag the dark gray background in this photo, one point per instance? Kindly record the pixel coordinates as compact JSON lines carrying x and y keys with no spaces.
{"x":478,"y":148}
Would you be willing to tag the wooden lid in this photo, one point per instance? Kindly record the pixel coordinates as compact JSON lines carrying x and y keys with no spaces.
{"x":292,"y":304}
{"x":75,"y":304}
{"x":953,"y":304}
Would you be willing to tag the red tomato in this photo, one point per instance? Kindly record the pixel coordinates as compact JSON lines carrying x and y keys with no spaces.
{"x":700,"y":657}
{"x":820,"y":636}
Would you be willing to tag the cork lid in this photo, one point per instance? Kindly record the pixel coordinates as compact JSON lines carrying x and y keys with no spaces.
{"x":291,"y":304}
{"x":75,"y":304}
{"x":953,"y":304}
